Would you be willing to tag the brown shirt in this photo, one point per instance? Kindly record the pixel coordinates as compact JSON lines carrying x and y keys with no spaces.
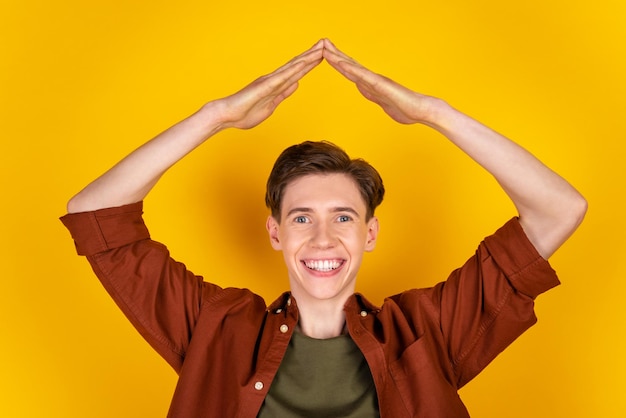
{"x":226,"y":345}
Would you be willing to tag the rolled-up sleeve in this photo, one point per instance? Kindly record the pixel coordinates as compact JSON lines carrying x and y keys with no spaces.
{"x":520,"y":262}
{"x":159,"y":295}
{"x":105,"y":229}
{"x":488,"y":302}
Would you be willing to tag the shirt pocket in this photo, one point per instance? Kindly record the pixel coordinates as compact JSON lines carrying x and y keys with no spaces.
{"x":419,"y":375}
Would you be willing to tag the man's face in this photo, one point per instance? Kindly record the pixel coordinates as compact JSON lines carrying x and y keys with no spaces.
{"x":323,"y":235}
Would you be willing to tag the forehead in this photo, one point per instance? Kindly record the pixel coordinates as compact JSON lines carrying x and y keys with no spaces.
{"x":323,"y":190}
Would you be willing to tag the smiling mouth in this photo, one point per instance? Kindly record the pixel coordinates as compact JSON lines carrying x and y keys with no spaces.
{"x":323,"y":265}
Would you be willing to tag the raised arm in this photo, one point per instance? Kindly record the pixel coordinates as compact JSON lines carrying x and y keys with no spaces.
{"x":550,"y":209}
{"x":131,"y":179}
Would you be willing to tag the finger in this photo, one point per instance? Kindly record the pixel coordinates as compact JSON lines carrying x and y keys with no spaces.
{"x":343,"y":66}
{"x":335,"y":56}
{"x":281,"y":79}
{"x":353,"y":71}
{"x":367,"y":93}
{"x":372,"y":86}
{"x":328,"y":45}
{"x":278,"y":85}
{"x":310,"y":54}
{"x":285,"y":93}
{"x":310,"y":59}
{"x":293,"y":71}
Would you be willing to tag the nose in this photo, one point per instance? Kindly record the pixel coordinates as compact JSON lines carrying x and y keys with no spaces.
{"x":323,"y":236}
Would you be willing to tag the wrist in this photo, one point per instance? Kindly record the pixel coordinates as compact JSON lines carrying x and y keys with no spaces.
{"x":435,"y":112}
{"x":211,"y":117}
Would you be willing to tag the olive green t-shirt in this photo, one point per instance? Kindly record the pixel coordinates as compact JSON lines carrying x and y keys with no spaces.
{"x":321,"y":378}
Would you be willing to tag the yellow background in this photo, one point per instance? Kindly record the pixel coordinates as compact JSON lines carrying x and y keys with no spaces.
{"x":83,"y":83}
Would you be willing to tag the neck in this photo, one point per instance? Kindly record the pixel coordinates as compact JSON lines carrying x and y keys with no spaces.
{"x":321,"y":320}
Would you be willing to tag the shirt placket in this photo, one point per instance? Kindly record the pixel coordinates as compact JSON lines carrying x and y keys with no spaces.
{"x":281,"y":323}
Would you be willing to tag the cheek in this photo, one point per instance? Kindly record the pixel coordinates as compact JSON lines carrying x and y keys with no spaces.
{"x":353,"y":236}
{"x":291,"y":244}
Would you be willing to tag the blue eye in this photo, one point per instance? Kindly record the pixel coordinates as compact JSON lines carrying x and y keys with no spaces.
{"x":344,"y":218}
{"x":300,"y":219}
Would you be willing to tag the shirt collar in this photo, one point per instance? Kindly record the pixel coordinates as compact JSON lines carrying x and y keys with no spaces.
{"x":355,"y":303}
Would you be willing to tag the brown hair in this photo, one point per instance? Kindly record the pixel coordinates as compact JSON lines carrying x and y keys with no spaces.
{"x":321,"y":158}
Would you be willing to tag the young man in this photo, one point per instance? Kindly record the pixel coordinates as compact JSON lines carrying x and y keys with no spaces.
{"x":320,"y":350}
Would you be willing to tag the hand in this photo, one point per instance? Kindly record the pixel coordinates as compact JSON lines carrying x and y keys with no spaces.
{"x":402,"y":104}
{"x":257,"y":101}
{"x":550,"y":209}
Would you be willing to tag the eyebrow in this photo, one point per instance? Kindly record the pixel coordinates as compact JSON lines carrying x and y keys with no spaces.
{"x":334,"y":210}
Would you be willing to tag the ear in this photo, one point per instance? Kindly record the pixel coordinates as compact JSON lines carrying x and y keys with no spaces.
{"x":372,"y":233}
{"x":273,"y":227}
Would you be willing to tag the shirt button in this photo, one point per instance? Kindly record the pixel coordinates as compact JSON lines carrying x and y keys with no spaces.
{"x":363,"y":314}
{"x":258,"y":385}
{"x":284,"y":328}
{"x":278,"y":310}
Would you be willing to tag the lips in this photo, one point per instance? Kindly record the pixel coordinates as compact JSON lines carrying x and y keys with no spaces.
{"x":323,"y":266}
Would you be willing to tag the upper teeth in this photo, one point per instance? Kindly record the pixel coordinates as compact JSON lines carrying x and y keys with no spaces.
{"x":323,"y":265}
